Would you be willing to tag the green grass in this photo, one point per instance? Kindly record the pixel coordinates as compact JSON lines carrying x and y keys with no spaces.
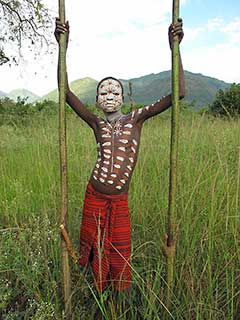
{"x":207,"y":263}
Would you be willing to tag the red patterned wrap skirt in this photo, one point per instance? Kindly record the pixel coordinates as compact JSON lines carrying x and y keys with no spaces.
{"x":105,"y":239}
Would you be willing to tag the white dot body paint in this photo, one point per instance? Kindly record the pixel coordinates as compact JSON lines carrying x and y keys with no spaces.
{"x":104,"y":169}
{"x":106,"y":162}
{"x":123,"y":181}
{"x":133,"y":149}
{"x":113,"y":175}
{"x":135,"y":142}
{"x":127,"y":132}
{"x":128,"y":125}
{"x":95,"y":177}
{"x":129,"y":168}
{"x":122,"y":149}
{"x":104,"y":175}
{"x":118,"y":187}
{"x":126,"y":174}
{"x":110,"y":181}
{"x":107,"y":151}
{"x":106,"y":144}
{"x":120,"y":158}
{"x":102,"y":180}
{"x":123,"y":141}
{"x":147,"y":107}
{"x":131,"y":160}
{"x":117,"y":166}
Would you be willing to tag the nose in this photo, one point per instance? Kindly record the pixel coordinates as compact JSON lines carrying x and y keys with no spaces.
{"x":110,"y":96}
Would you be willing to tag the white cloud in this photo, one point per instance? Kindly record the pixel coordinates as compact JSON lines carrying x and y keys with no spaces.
{"x":219,"y":59}
{"x":127,"y":40}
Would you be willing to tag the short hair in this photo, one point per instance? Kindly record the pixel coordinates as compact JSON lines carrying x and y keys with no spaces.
{"x":112,"y":78}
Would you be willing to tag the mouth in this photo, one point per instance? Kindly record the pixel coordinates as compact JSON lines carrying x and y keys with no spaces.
{"x":110,"y":105}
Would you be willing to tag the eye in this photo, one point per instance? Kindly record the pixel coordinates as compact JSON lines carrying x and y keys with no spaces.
{"x":116,"y":94}
{"x":103,"y":93}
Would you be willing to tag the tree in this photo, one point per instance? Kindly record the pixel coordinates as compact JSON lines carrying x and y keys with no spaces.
{"x":227,"y":102}
{"x":22,"y":20}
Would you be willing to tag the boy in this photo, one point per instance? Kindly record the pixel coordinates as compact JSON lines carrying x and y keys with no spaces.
{"x":105,"y":231}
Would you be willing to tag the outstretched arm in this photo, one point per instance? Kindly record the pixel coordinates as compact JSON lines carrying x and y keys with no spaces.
{"x":73,"y":101}
{"x":165,"y":102}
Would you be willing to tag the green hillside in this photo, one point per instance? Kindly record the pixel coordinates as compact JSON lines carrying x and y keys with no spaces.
{"x":23,"y":93}
{"x":84,"y":88}
{"x":199,"y":88}
{"x":149,"y":88}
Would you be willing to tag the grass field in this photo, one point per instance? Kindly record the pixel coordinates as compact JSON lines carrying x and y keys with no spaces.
{"x":207,"y":264}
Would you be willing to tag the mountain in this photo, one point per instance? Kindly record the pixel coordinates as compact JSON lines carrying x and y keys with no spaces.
{"x":84,"y":88}
{"x":23,"y":93}
{"x":147,"y":89}
{"x":2,"y":94}
{"x":199,"y":88}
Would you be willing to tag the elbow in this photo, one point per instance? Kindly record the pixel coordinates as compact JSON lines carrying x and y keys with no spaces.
{"x":181,"y":95}
{"x":182,"y":92}
{"x":68,"y":93}
{"x":67,"y":90}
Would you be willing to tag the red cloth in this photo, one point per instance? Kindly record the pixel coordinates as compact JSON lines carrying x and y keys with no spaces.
{"x":105,"y":238}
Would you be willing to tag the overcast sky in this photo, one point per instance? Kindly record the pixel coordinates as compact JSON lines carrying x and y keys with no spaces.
{"x":128,"y":39}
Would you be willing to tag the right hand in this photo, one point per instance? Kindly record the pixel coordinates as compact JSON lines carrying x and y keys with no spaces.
{"x":61,"y":28}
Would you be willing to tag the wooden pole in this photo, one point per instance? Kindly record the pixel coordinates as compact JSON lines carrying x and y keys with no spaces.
{"x":173,"y":157}
{"x":130,"y":96}
{"x":66,"y":280}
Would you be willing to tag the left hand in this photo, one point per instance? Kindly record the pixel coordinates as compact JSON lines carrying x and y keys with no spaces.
{"x":175,"y":30}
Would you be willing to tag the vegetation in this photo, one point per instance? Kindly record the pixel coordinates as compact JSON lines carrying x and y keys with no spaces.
{"x":25,"y":20}
{"x":21,"y":113}
{"x":207,"y":263}
{"x":200,"y":90}
{"x":227,"y":102}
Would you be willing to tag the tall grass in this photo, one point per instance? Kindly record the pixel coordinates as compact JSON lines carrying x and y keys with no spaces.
{"x":207,"y":264}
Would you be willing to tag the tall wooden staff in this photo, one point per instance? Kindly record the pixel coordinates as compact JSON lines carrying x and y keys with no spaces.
{"x":130,"y":96}
{"x":170,"y":248}
{"x":63,"y":162}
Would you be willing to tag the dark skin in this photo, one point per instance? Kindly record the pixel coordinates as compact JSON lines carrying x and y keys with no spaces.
{"x":159,"y":107}
{"x":165,"y":103}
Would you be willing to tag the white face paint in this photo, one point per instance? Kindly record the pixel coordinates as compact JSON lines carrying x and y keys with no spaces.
{"x":110,"y":96}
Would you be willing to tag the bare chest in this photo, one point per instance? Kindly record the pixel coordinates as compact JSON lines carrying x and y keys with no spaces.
{"x":117,"y":147}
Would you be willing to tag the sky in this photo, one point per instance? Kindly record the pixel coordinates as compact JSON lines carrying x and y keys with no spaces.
{"x":128,"y":39}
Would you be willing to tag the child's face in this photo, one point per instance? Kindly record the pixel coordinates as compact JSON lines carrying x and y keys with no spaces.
{"x":110,"y":96}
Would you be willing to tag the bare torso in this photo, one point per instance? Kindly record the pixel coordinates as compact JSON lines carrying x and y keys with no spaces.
{"x":117,"y":147}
